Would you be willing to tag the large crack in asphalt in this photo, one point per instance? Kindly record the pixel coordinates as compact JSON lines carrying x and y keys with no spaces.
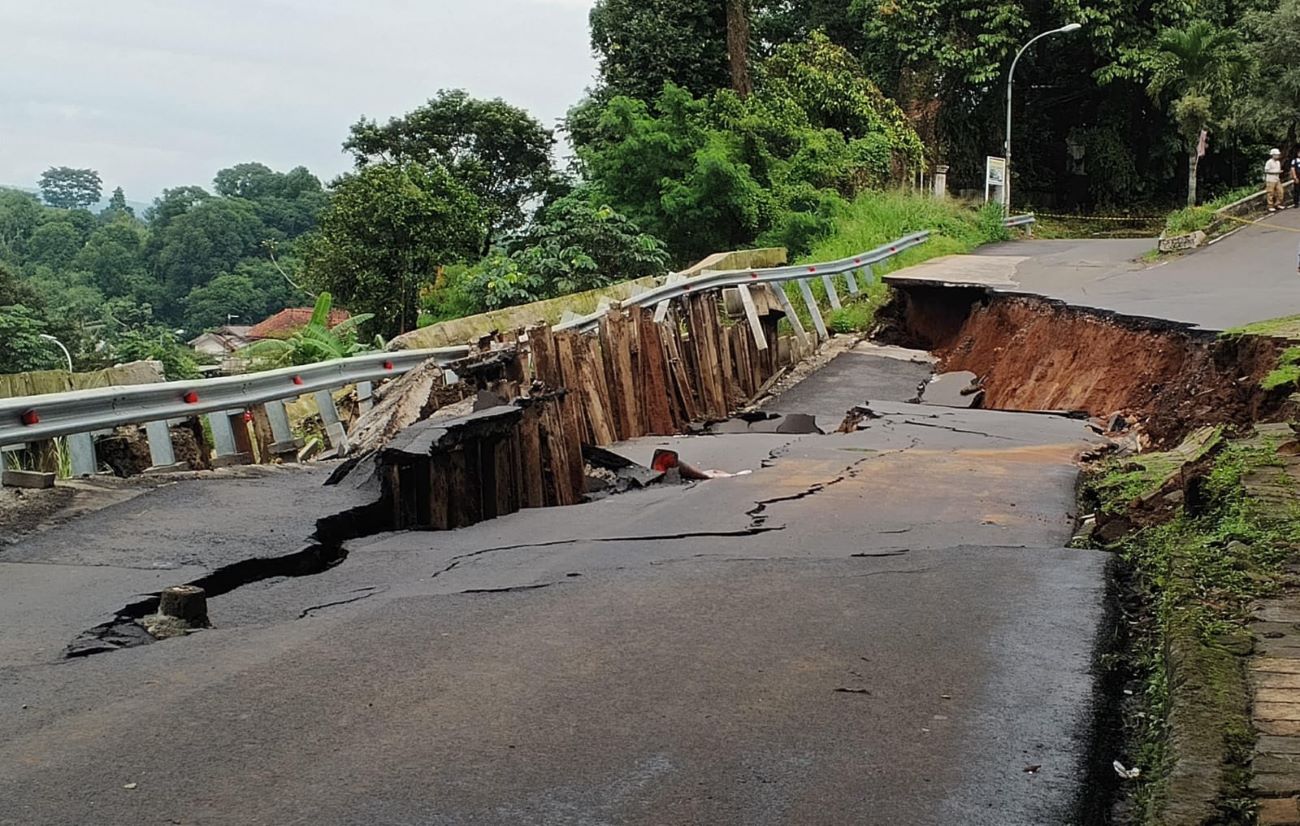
{"x":329,"y":550}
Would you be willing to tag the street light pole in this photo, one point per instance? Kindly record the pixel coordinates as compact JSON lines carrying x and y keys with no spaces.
{"x":1011,"y":76}
{"x":66,"y":354}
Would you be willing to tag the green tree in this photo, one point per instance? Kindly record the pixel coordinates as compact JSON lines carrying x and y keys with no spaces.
{"x":498,"y":152}
{"x":21,"y":347}
{"x":157,"y":343}
{"x":385,"y":233}
{"x":54,"y":244}
{"x":16,"y":291}
{"x":315,"y":341}
{"x":209,"y":239}
{"x":20,"y":215}
{"x":253,"y":291}
{"x":113,"y":257}
{"x":643,"y":44}
{"x":172,"y":204}
{"x":578,"y":245}
{"x":117,"y":207}
{"x":1197,"y":68}
{"x":1270,"y":103}
{"x":67,"y":188}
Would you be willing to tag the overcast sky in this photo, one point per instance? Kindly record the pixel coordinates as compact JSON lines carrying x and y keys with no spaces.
{"x":161,"y":93}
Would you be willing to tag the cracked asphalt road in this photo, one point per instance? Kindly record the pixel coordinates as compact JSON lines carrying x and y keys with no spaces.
{"x":878,"y":627}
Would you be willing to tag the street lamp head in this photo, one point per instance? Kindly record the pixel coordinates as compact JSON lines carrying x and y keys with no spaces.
{"x":47,"y":336}
{"x":1070,"y":27}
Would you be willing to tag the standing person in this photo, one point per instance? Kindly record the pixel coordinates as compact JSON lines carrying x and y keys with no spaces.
{"x":1295,"y":179}
{"x":1273,"y":179}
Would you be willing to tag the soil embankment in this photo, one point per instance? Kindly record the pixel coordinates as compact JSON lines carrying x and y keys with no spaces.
{"x":1032,"y":353}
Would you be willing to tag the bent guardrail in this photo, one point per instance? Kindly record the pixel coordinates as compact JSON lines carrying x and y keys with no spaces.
{"x":659,"y":296}
{"x":79,"y":413}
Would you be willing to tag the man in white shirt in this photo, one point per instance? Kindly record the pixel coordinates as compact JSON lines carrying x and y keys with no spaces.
{"x":1273,"y":179}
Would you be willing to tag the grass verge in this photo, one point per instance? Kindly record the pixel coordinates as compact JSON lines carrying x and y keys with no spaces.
{"x":1191,"y":219}
{"x":876,"y":218}
{"x":1194,"y":557}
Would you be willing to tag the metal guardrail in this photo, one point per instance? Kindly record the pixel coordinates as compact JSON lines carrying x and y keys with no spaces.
{"x":1018,"y":220}
{"x":736,"y":278}
{"x":79,"y":413}
{"x":31,"y":418}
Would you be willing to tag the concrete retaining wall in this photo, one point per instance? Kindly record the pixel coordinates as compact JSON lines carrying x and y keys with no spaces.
{"x":14,"y":385}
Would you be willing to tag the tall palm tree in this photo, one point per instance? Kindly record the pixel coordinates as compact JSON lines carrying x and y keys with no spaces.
{"x":1200,"y":66}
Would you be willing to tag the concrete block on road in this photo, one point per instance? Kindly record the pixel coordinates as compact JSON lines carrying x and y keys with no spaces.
{"x":27,"y":479}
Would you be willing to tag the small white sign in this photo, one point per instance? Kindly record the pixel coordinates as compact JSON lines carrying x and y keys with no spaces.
{"x":995,"y":176}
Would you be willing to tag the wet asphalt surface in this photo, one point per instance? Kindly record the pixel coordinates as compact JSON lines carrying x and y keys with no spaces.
{"x":877,"y":627}
{"x":1248,"y":276}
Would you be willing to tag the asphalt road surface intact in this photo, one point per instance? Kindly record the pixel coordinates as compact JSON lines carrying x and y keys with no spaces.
{"x":877,"y":627}
{"x":1248,"y":276}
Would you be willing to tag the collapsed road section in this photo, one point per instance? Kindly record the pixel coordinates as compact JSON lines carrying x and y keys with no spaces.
{"x":881,"y":624}
{"x":1032,"y":353}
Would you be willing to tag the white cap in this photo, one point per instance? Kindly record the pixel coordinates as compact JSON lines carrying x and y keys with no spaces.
{"x":1275,"y":151}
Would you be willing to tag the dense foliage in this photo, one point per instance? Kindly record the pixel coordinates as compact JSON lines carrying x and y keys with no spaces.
{"x":113,"y":286}
{"x":711,"y":126}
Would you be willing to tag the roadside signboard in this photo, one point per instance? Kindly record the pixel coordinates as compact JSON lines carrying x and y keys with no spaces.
{"x":995,"y":177}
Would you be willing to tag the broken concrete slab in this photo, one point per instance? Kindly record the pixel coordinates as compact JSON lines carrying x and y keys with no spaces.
{"x":958,"y":389}
{"x":764,"y":422}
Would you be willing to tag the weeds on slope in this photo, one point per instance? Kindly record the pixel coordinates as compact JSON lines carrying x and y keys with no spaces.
{"x":1193,"y":559}
{"x":874,"y":219}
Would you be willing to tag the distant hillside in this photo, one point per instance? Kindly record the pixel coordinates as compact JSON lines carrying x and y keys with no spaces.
{"x":138,"y":206}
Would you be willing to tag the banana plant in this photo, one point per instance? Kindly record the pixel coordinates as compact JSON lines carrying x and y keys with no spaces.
{"x":315,"y":341}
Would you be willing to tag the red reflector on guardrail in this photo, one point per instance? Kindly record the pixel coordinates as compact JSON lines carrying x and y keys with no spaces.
{"x":297,"y":379}
{"x":30,"y":417}
{"x":190,"y":397}
{"x":388,"y":365}
{"x":812,"y":269}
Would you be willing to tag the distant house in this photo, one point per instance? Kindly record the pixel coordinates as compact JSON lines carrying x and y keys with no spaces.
{"x":223,"y":341}
{"x":284,"y":323}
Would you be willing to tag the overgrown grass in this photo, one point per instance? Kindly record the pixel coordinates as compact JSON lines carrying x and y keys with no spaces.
{"x":1287,"y":372}
{"x":1195,"y":577}
{"x":1284,"y":327}
{"x":873,"y":220}
{"x":1191,"y":219}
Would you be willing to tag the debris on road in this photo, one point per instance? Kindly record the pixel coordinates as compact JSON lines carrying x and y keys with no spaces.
{"x":758,"y":421}
{"x":666,"y":461}
{"x":959,"y":389}
{"x":855,"y":416}
{"x":1128,"y":774}
{"x":181,"y":609}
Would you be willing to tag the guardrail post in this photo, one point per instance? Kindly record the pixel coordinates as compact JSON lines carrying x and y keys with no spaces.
{"x":868,"y":275}
{"x":831,"y":292}
{"x":160,"y":447}
{"x":852,"y":281}
{"x":813,"y":309}
{"x":223,"y":434}
{"x":286,"y":444}
{"x":365,"y":395}
{"x":329,"y":416}
{"x":786,"y":307}
{"x":81,"y":452}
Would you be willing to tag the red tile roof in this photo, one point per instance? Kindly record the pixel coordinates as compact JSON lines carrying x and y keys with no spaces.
{"x":285,"y":322}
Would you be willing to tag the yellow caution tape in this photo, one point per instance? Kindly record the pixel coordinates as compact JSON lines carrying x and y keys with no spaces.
{"x":1261,"y":223}
{"x":1125,"y":218}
